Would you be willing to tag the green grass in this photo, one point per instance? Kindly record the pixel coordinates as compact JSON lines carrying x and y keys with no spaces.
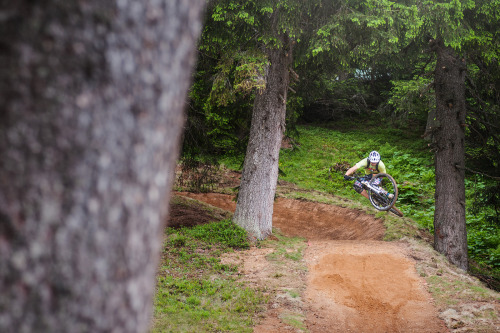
{"x":224,"y":233}
{"x":295,"y":320}
{"x":204,"y":305}
{"x":324,"y":154}
{"x":291,"y":248}
{"x":451,"y":292}
{"x":195,"y":291}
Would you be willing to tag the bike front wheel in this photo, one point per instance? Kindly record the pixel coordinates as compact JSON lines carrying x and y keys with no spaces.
{"x":387,"y":191}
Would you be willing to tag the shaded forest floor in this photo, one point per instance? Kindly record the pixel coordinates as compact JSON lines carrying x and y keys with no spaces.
{"x":346,"y":278}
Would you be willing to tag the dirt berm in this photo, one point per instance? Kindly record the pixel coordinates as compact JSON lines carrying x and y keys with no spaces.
{"x":354,"y":282}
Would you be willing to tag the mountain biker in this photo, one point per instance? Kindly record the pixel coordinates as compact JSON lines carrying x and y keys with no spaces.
{"x":372,"y":165}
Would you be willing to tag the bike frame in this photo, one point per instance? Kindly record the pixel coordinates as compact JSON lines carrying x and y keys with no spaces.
{"x":367,"y":186}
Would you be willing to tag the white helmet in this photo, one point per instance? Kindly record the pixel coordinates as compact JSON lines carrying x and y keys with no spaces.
{"x":374,"y":157}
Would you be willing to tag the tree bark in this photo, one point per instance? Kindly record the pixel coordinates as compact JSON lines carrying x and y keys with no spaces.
{"x":450,"y":235}
{"x":92,"y":99}
{"x":254,"y":209}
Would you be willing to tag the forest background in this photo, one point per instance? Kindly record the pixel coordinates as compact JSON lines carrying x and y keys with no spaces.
{"x":362,"y":74}
{"x":93,"y":94}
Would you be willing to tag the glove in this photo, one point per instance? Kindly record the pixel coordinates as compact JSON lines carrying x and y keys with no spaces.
{"x":346,"y":177}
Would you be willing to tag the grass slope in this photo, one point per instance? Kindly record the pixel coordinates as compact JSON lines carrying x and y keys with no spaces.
{"x":324,"y":154}
{"x":195,"y":292}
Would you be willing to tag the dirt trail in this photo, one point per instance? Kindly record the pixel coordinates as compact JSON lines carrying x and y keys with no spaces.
{"x":367,"y":286}
{"x":355,"y":282}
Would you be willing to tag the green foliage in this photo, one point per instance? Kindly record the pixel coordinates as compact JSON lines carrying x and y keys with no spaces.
{"x":483,"y":117}
{"x":484,"y":243}
{"x":484,"y":195}
{"x":178,"y":240}
{"x":434,"y":19}
{"x":231,"y":69}
{"x":249,"y":74}
{"x":227,"y":107}
{"x":219,"y":114}
{"x":485,"y":23}
{"x":482,"y":223}
{"x":237,"y":73}
{"x":332,"y":99}
{"x":262,"y":21}
{"x":412,"y":98}
{"x":354,"y":31}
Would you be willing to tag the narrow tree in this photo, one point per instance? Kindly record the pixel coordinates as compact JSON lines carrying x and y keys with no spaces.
{"x":92,"y":94}
{"x":444,"y":25}
{"x":254,"y":209}
{"x":450,"y":235}
{"x":265,"y":30}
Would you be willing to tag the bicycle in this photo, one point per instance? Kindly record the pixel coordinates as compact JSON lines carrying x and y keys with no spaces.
{"x":382,"y":192}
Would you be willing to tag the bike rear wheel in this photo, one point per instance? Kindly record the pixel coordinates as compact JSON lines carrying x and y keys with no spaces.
{"x":396,"y":211}
{"x":388,"y":192}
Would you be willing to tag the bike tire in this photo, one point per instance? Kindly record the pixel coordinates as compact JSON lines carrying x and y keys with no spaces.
{"x":388,"y":184}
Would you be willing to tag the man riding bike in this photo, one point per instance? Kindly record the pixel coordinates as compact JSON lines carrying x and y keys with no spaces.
{"x":371,"y":165}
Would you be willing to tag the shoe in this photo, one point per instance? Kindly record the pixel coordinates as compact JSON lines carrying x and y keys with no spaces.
{"x":390,"y":195}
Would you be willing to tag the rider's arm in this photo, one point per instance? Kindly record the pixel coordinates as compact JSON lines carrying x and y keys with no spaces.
{"x":351,"y":170}
{"x":381,"y":167}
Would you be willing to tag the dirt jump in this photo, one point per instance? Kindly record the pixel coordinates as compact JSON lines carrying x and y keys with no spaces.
{"x":355,"y":282}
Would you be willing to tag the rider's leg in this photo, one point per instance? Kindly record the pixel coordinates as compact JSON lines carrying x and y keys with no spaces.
{"x":359,"y":188}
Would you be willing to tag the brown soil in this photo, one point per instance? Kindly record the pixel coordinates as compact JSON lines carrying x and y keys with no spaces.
{"x":354,"y":281}
{"x":366,"y":287}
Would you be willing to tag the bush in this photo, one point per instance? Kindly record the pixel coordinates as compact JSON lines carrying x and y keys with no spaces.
{"x":224,"y":232}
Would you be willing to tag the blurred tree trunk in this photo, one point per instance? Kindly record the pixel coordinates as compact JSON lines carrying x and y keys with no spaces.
{"x":92,"y":94}
{"x":254,"y":209}
{"x":450,"y":235}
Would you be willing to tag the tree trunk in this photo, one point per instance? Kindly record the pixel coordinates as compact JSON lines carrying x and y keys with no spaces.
{"x":450,"y":235}
{"x":92,"y":99}
{"x":254,"y":209}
